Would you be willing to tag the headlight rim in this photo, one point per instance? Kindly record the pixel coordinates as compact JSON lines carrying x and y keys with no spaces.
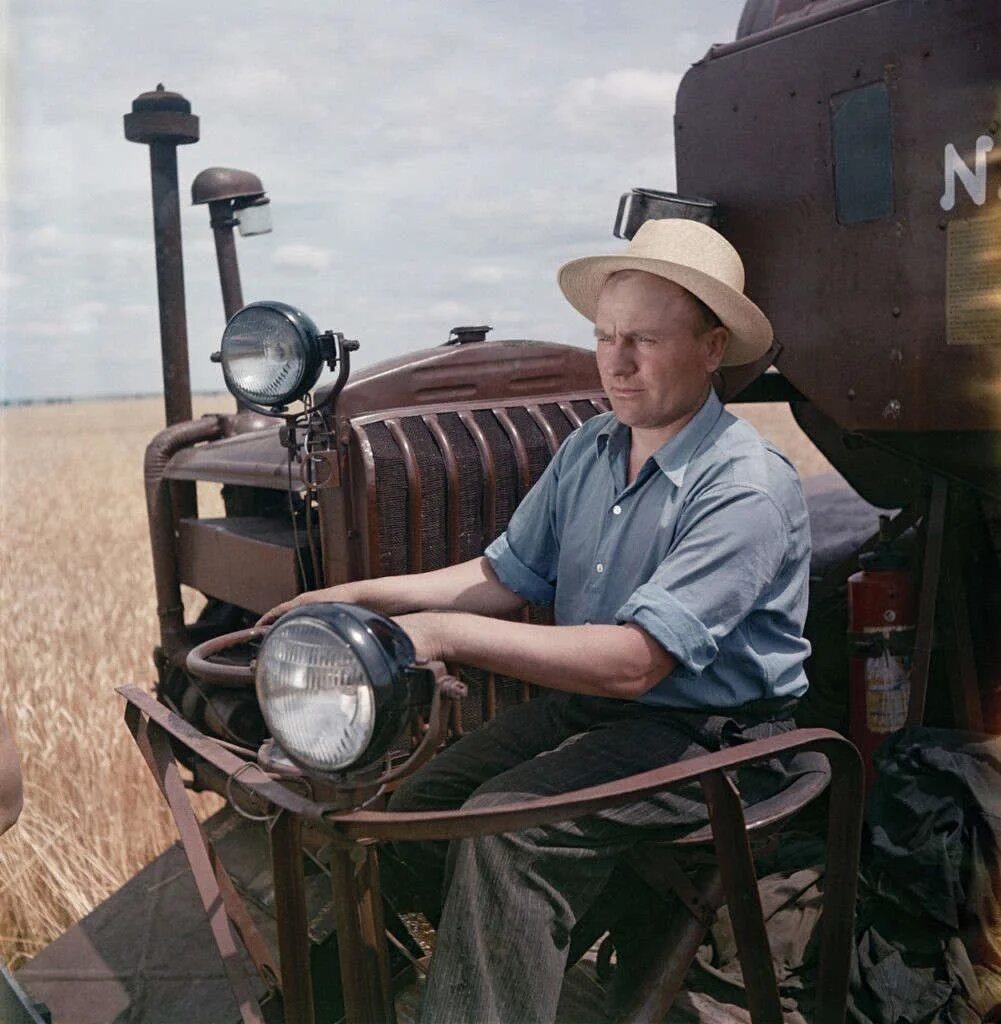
{"x":309,"y":335}
{"x":389,"y":674}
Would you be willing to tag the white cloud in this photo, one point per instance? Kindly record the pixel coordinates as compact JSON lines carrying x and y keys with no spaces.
{"x":449,"y":309}
{"x":301,"y":257}
{"x":607,"y":101}
{"x":136,"y":311}
{"x":446,"y":313}
{"x":82,"y":318}
{"x":40,"y":329}
{"x":48,"y":236}
{"x":487,"y":273}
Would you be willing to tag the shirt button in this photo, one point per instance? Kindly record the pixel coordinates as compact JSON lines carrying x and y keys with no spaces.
{"x":617,"y":511}
{"x":599,"y":567}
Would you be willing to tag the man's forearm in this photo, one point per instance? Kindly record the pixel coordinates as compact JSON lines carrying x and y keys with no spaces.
{"x":605,"y":661}
{"x":470,"y":586}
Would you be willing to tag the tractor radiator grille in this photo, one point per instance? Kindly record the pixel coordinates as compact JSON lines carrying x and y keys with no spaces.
{"x":441,"y":485}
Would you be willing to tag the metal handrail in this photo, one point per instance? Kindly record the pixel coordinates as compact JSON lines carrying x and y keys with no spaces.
{"x":359,"y":828}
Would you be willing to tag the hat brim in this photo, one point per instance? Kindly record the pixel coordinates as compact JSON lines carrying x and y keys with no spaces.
{"x":581,"y":281}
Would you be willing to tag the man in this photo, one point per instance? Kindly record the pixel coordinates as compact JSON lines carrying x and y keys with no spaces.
{"x":673,"y":543}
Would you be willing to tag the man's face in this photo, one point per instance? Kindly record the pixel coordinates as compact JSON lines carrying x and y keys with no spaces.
{"x":655,"y":356}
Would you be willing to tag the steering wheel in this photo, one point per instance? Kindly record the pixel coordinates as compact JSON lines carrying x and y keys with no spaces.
{"x":224,"y":673}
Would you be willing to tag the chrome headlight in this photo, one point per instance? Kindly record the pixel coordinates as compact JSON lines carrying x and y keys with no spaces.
{"x":336,"y":683}
{"x":271,"y":354}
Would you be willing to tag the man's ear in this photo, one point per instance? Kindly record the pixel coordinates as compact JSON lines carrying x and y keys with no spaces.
{"x":716,"y":341}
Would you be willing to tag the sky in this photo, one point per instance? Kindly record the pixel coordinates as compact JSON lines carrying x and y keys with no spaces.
{"x":429,"y":163}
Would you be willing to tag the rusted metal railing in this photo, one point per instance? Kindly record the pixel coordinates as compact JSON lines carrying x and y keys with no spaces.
{"x":355,"y":877}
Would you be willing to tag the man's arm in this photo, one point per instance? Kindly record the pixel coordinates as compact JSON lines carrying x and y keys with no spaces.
{"x":731,"y":547}
{"x":622,"y":662}
{"x":470,"y":586}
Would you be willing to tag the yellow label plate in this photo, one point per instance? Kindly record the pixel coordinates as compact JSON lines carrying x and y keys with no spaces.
{"x":973,"y":281}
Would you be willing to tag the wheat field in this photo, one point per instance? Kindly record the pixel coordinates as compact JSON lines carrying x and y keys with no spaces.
{"x":79,"y":618}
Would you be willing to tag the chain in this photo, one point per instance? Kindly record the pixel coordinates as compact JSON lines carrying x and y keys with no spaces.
{"x":269,"y":819}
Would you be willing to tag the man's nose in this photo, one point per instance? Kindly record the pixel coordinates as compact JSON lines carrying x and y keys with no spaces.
{"x":621,"y":359}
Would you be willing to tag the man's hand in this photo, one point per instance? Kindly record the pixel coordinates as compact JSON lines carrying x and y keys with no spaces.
{"x":426,"y":630}
{"x":346,"y":592}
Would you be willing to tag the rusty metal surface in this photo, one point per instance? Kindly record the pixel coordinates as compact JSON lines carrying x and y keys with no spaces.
{"x":160,"y":512}
{"x":290,"y":912}
{"x":733,"y":854}
{"x":434,"y":487}
{"x":218,"y":183}
{"x":155,"y":748}
{"x":381,"y":825}
{"x":422,"y":465}
{"x":763,"y":20}
{"x":479,"y":372}
{"x":221,"y":220}
{"x":414,"y":493}
{"x":859,"y":308}
{"x":452,"y":484}
{"x":249,"y":561}
{"x":454,"y":824}
{"x":161,"y":115}
{"x":358,"y":922}
{"x":254,"y":459}
{"x":238,"y":676}
{"x":354,"y":875}
{"x":163,"y":121}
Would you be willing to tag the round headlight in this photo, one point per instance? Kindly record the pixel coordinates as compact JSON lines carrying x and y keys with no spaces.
{"x":335,"y":683}
{"x":271,"y":354}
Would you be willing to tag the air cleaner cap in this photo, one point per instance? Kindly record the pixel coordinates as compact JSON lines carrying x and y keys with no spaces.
{"x":161,"y":116}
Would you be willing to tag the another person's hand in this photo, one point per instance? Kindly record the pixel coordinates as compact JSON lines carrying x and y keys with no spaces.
{"x":11,"y":790}
{"x":345,"y":592}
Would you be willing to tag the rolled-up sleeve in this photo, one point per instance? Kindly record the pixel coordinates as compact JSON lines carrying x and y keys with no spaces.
{"x":730,"y":546}
{"x":525,"y":556}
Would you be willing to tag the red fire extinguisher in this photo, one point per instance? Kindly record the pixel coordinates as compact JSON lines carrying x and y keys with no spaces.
{"x":882,"y":615}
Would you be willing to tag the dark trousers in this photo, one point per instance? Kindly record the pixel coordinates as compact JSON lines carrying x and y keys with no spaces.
{"x":510,"y":902}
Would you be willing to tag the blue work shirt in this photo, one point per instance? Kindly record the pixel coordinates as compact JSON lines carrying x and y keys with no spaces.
{"x":707,"y":550}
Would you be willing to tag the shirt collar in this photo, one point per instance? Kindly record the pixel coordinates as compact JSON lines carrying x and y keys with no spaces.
{"x":674,"y":456}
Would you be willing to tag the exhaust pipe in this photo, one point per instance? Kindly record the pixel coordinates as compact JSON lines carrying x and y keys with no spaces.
{"x":162,"y":526}
{"x":163,"y":121}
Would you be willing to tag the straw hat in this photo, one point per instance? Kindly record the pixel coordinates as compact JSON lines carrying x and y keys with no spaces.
{"x":692,"y":255}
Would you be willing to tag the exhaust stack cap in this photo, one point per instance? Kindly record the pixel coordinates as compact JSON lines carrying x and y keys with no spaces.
{"x":161,"y":116}
{"x":216,"y":183}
